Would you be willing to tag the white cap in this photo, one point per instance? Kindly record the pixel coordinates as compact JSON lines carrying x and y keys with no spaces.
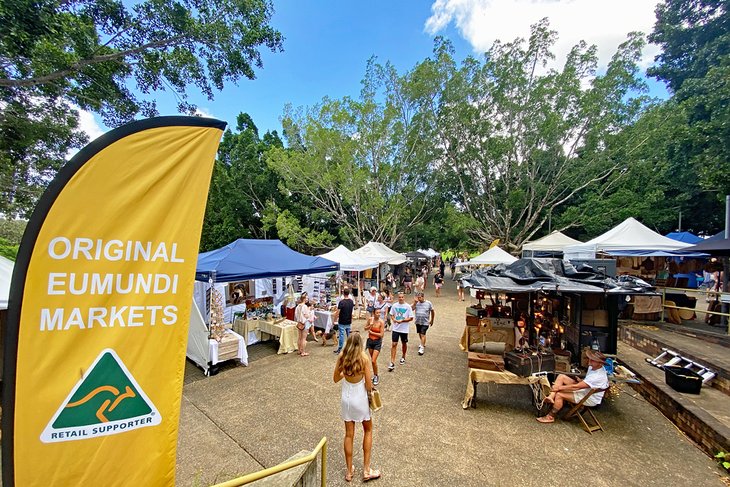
{"x":373,"y":288}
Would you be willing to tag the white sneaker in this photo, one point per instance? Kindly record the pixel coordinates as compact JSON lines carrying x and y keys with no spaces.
{"x":376,"y":380}
{"x":402,"y":361}
{"x":391,"y":367}
{"x":421,"y":350}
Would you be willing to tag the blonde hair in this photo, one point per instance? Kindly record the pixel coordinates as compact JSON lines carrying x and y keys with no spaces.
{"x":351,"y":361}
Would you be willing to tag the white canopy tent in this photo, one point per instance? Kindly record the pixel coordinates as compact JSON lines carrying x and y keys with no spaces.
{"x":349,"y":260}
{"x":493,"y":256}
{"x":381,"y":253}
{"x":555,"y":242}
{"x":6,"y":275}
{"x":429,"y":252}
{"x":628,"y":236}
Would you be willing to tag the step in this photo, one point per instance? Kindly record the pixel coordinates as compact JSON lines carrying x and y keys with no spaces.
{"x":651,"y":340}
{"x":704,"y":418}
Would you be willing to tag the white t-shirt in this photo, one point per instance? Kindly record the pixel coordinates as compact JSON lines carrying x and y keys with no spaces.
{"x":596,"y":379}
{"x":401,"y":312}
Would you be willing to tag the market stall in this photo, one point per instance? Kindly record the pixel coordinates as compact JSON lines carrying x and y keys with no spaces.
{"x":238,"y":262}
{"x":551,"y":245}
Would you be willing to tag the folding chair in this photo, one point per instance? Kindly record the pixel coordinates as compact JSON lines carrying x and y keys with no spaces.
{"x":585,"y":413}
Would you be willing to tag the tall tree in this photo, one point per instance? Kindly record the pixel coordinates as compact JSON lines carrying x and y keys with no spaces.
{"x":97,"y":55}
{"x":522,"y":140}
{"x":361,"y":161}
{"x":242,"y":187}
{"x":695,"y":64}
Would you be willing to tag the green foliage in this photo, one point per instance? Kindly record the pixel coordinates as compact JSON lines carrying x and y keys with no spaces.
{"x":695,"y":63}
{"x":520,"y":140}
{"x":8,"y":249}
{"x":723,"y":459}
{"x":361,"y":162}
{"x":241,"y":188}
{"x":55,"y":56}
{"x":12,"y":230}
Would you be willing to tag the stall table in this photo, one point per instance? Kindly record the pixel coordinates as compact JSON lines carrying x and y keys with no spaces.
{"x":539,"y":384}
{"x":231,"y":347}
{"x":249,"y":329}
{"x":323,"y":319}
{"x":285,"y":331}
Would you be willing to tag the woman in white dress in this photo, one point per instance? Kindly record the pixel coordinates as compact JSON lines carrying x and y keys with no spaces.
{"x":353,"y":365}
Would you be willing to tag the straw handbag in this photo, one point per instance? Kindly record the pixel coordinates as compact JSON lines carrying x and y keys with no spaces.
{"x":376,"y":404}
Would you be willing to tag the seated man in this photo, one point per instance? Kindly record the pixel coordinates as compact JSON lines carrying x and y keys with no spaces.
{"x":567,"y":388}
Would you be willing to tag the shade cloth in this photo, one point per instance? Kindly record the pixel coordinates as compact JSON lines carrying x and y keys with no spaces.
{"x":349,"y":260}
{"x":720,"y":247}
{"x":493,"y":256}
{"x":381,"y":253}
{"x":686,"y":237}
{"x":255,"y":259}
{"x":628,"y":236}
{"x":555,"y":242}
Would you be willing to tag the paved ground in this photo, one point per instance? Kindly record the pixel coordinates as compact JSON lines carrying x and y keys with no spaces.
{"x":248,"y":418}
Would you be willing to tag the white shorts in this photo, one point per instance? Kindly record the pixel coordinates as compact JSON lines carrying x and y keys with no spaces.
{"x":594,"y":400}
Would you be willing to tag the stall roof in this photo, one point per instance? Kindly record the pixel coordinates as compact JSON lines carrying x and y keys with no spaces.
{"x":257,"y":259}
{"x":495,"y":255}
{"x":686,"y":237}
{"x":531,"y":275}
{"x":554,"y":242}
{"x":381,"y":253}
{"x":6,"y":276}
{"x":624,"y":239}
{"x":429,"y":252}
{"x":713,"y":246}
{"x":349,"y":260}
{"x":417,"y":254}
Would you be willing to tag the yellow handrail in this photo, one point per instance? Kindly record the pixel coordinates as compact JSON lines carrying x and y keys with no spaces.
{"x":252,"y":477}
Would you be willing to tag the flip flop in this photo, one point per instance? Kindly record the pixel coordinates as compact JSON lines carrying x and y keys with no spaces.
{"x":349,"y":475}
{"x":374,"y":474}
{"x":546,"y":419}
{"x":305,"y":354}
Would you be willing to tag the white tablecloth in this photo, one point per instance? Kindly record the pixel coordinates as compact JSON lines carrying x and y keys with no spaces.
{"x":242,"y":352}
{"x":323,"y":319}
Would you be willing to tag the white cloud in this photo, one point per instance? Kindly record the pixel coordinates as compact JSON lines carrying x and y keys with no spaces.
{"x":201,"y":112}
{"x":604,"y":23}
{"x":88,"y":124}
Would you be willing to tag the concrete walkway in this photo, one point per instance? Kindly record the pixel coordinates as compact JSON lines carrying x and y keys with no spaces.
{"x":248,"y":418}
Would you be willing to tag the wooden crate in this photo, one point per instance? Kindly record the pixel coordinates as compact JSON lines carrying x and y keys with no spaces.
{"x":228,"y":347}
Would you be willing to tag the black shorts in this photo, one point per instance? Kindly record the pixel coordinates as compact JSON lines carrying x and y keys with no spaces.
{"x":398,"y":335}
{"x":422,"y":329}
{"x":374,"y":344}
{"x":370,"y":309}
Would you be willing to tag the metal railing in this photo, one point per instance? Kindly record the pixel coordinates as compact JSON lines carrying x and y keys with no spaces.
{"x":252,"y":477}
{"x":714,"y":294}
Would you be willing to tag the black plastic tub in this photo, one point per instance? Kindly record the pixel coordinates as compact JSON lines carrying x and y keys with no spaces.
{"x":682,"y":380}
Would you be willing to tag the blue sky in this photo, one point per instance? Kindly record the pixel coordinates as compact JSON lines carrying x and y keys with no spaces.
{"x":327,"y":44}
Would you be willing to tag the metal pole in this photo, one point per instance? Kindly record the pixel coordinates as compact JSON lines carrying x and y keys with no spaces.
{"x":680,"y":222}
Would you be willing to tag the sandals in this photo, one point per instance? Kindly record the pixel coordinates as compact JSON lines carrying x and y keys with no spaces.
{"x":546,"y":419}
{"x":350,"y":474}
{"x":374,"y":474}
{"x":305,"y":354}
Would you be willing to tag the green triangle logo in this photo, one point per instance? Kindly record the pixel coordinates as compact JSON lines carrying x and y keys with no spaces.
{"x":106,"y":401}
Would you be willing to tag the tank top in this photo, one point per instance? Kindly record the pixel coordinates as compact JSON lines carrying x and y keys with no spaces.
{"x":376,"y":329}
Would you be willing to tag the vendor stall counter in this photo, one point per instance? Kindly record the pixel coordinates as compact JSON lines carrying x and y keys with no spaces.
{"x":539,"y":385}
{"x":232,"y":346}
{"x":285,"y":331}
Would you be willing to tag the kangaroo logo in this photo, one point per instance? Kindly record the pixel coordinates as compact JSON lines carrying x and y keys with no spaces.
{"x":106,"y":401}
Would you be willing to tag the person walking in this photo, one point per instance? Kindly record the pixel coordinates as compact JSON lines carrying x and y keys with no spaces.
{"x":408,"y":281}
{"x":438,"y":283}
{"x":376,"y":330}
{"x":420,"y":284}
{"x":370,"y":300}
{"x":425,"y":315}
{"x":424,"y":273}
{"x":353,"y":365}
{"x":401,"y":315}
{"x":301,"y":316}
{"x":442,"y":266}
{"x":343,"y":318}
{"x":388,"y":304}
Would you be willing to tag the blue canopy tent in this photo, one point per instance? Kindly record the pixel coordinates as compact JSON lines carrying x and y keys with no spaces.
{"x":686,"y":237}
{"x":257,"y":259}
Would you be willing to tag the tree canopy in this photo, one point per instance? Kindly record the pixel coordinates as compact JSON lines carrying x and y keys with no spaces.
{"x":110,"y":58}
